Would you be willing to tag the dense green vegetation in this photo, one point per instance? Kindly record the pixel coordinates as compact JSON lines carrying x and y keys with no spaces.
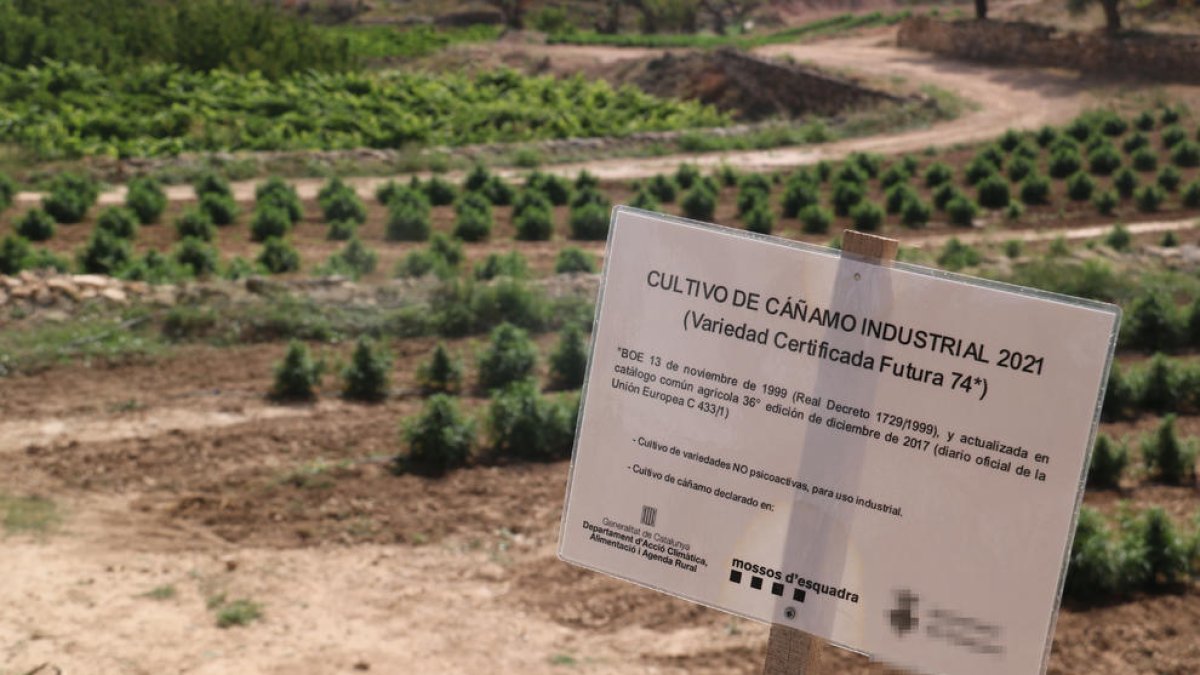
{"x":369,"y":43}
{"x":70,"y":110}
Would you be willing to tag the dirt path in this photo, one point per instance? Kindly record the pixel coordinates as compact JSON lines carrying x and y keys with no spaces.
{"x":1001,"y":98}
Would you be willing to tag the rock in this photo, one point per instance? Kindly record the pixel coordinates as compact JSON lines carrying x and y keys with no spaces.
{"x":91,"y":280}
{"x":3,"y":298}
{"x":114,"y":295}
{"x":63,"y":286}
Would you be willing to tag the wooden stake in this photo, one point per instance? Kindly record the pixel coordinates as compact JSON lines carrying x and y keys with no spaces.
{"x":789,"y":651}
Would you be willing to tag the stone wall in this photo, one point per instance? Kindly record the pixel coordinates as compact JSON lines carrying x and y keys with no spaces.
{"x":1167,"y":58}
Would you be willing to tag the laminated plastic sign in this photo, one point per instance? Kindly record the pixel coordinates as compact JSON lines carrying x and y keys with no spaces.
{"x":884,"y":456}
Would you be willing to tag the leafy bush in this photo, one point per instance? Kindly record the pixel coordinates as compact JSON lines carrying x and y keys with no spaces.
{"x":535,"y":223}
{"x":846,"y":195}
{"x":686,"y":175}
{"x":727,"y":175}
{"x":1145,"y":160}
{"x":1109,"y":460}
{"x":699,"y":203}
{"x":341,"y":230}
{"x":120,"y":222}
{"x":1125,"y":181}
{"x":277,"y":192}
{"x":937,"y":174}
{"x":942,"y":197}
{"x":387,"y":191}
{"x":644,"y":200}
{"x":343,"y":205}
{"x":1173,"y":136}
{"x":1064,"y":163}
{"x":849,"y":173}
{"x":354,"y":260}
{"x":35,"y":225}
{"x":1170,"y":115}
{"x":1144,"y":121}
{"x":978,"y":170}
{"x":1166,"y":552}
{"x":572,"y":260}
{"x":1035,"y":190}
{"x":1152,"y":323}
{"x":104,"y":254}
{"x":1169,"y":178}
{"x":196,"y":255}
{"x":269,"y":222}
{"x":956,"y":255}
{"x":815,"y":219}
{"x":1191,"y":195}
{"x":70,"y":197}
{"x":146,"y":199}
{"x":473,"y":221}
{"x":1092,"y":572}
{"x":14,"y":254}
{"x":866,"y":216}
{"x":1046,"y":136}
{"x":584,"y":180}
{"x":524,"y":424}
{"x":662,"y":187}
{"x":442,"y":258}
{"x":962,"y":212}
{"x":868,"y":163}
{"x":221,"y":210}
{"x":1104,"y":160}
{"x":1012,"y":249}
{"x":501,"y":265}
{"x":1113,"y":125}
{"x":439,"y":438}
{"x":1009,"y":140}
{"x":409,"y":218}
{"x":1169,"y":459}
{"x":8,"y":191}
{"x":366,"y":377}
{"x":798,"y":193}
{"x":1019,"y":168}
{"x":211,"y":183}
{"x":297,"y":376}
{"x":1080,"y":128}
{"x":1080,"y":187}
{"x":278,"y":256}
{"x":1159,"y":386}
{"x":498,"y":191}
{"x":196,"y":224}
{"x":1186,"y":154}
{"x":895,"y":198}
{"x":761,"y":220}
{"x":589,"y":222}
{"x":441,"y":373}
{"x":439,"y":191}
{"x":555,"y":188}
{"x":1149,"y":198}
{"x":915,"y":214}
{"x":993,"y":192}
{"x":1118,"y":238}
{"x":1119,"y":396}
{"x":510,"y":356}
{"x":1169,"y":240}
{"x":1106,"y":202}
{"x":1135,"y":144}
{"x":749,"y":199}
{"x":895,"y":175}
{"x":591,"y":196}
{"x":568,"y":362}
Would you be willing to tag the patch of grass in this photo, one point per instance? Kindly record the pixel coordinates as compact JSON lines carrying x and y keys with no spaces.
{"x":379,"y":42}
{"x":240,"y":612}
{"x":563,"y":660}
{"x":92,"y":336}
{"x":164,"y":592}
{"x":28,"y":514}
{"x":314,"y":475}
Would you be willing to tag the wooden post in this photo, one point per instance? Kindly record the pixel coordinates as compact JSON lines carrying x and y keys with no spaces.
{"x":789,"y":651}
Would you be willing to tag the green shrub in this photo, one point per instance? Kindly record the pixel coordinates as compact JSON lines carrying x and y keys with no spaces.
{"x":798,"y":193}
{"x":1145,"y":160}
{"x":530,"y":200}
{"x":343,"y":205}
{"x":1064,"y":144}
{"x":1159,"y":386}
{"x":644,"y":200}
{"x":895,"y":175}
{"x":70,"y":197}
{"x":1170,"y":115}
{"x":1106,"y":202}
{"x":1144,"y":121}
{"x":962,"y":212}
{"x":525,"y":425}
{"x":584,"y":180}
{"x":895,"y":198}
{"x":846,"y":195}
{"x":1191,"y":195}
{"x":1080,"y":128}
{"x":1046,"y":136}
{"x":591,"y":196}
{"x":510,"y":356}
{"x":937,"y":174}
{"x":1113,"y":125}
{"x":993,"y":192}
{"x":495,"y":265}
{"x":439,"y":191}
{"x":942,"y":197}
{"x":1080,"y":187}
{"x":279,"y":193}
{"x":754,"y":182}
{"x":956,"y":255}
{"x":409,"y":219}
{"x":1169,"y":459}
{"x":196,"y":224}
{"x":1118,"y":238}
{"x":589,"y":222}
{"x":341,"y":230}
{"x":354,"y":260}
{"x":441,"y":373}
{"x":1119,"y":396}
{"x":1167,"y":553}
{"x":1134,"y":146}
{"x":236,"y":268}
{"x":568,"y":362}
{"x":104,"y":254}
{"x":366,"y":377}
{"x":1148,"y":198}
{"x":1125,"y":181}
{"x":979,"y":170}
{"x":278,"y":256}
{"x":534,"y":224}
{"x":1092,"y":572}
{"x":8,"y":191}
{"x":749,"y":199}
{"x":1009,"y":140}
{"x":14,"y":254}
{"x":866,"y":216}
{"x":1173,"y":136}
{"x":662,"y":187}
{"x":498,"y":191}
{"x":849,"y":173}
{"x":686,"y":175}
{"x":333,"y":187}
{"x":473,"y":221}
{"x":1109,"y":460}
{"x":145,"y":197}
{"x":1012,"y":249}
{"x":699,"y":203}
{"x":211,"y":183}
{"x":915,"y":214}
{"x":35,"y":225}
{"x":727,"y":175}
{"x":761,"y":220}
{"x":1019,"y":168}
{"x":1186,"y":154}
{"x":220,"y":210}
{"x":572,"y":260}
{"x":439,"y":438}
{"x":297,"y":376}
{"x":269,"y":222}
{"x":1064,"y":163}
{"x":815,"y":219}
{"x":199,"y":257}
{"x":1104,"y":160}
{"x":477,"y":179}
{"x":120,"y":222}
{"x":1169,"y":178}
{"x":1035,"y":189}
{"x":868,"y":163}
{"x":387,"y":191}
{"x":1169,"y":240}
{"x":1152,"y":323}
{"x":1058,"y":248}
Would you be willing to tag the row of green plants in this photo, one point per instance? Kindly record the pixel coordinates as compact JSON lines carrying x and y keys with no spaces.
{"x":1166,"y":458}
{"x":1140,"y":551}
{"x":64,"y":110}
{"x":1161,"y":385}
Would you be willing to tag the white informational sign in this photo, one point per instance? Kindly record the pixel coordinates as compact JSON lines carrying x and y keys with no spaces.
{"x":887,"y":457}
